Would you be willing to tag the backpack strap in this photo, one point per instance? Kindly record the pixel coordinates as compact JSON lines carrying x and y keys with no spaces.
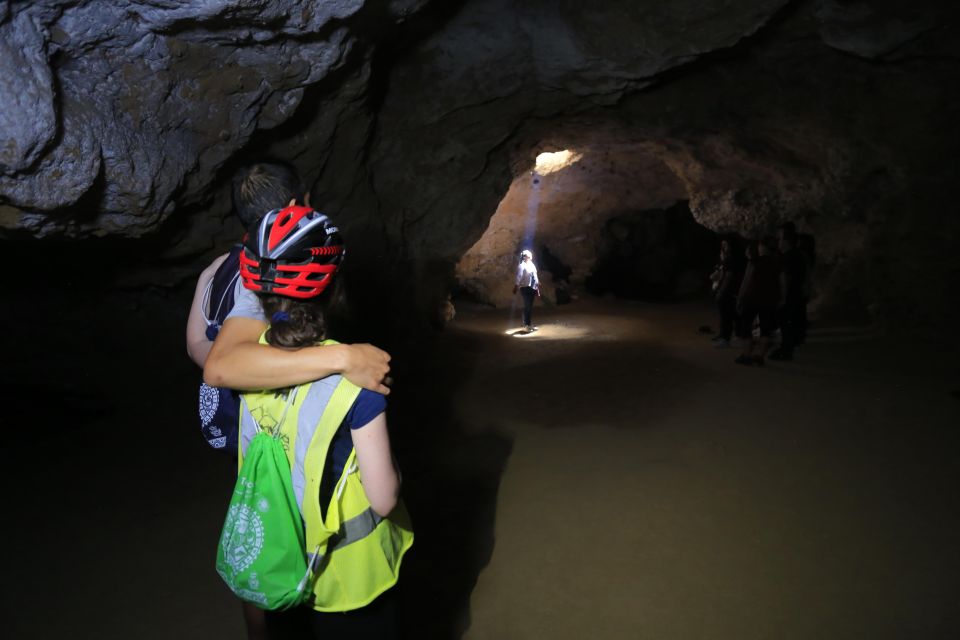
{"x":221,"y":289}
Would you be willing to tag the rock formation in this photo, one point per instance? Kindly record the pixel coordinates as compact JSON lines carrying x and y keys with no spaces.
{"x":412,"y":120}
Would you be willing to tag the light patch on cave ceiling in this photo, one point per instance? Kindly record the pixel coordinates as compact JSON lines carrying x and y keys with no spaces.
{"x":553,"y":161}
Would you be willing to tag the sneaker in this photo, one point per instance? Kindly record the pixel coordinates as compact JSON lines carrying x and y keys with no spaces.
{"x":721,"y":343}
{"x":744,"y":360}
{"x":533,"y":328}
{"x":758,"y":360}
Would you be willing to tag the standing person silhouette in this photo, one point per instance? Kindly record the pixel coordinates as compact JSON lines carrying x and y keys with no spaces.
{"x":791,"y":313}
{"x":528,"y":284}
{"x":758,"y":299}
{"x":727,"y":282}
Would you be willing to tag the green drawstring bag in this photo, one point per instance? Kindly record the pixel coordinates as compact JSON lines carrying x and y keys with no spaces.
{"x":261,"y":552}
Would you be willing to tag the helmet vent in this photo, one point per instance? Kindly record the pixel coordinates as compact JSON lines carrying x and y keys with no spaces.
{"x":295,"y":255}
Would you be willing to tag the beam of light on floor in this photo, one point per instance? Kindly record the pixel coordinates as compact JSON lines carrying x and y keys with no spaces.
{"x":547,"y":162}
{"x":529,"y":234}
{"x":552,"y":331}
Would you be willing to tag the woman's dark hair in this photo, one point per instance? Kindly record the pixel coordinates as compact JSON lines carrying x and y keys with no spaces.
{"x":305,"y":322}
{"x":263,"y":187}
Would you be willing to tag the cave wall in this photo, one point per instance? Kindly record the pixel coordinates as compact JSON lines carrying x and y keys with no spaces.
{"x":658,"y":255}
{"x":469,"y":107}
{"x":412,"y":120}
{"x":566,"y":212}
{"x":828,"y":115}
{"x":115,"y":113}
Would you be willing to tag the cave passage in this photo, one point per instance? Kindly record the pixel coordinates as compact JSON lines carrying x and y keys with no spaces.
{"x":613,"y":474}
{"x":632,"y":475}
{"x":603,"y":218}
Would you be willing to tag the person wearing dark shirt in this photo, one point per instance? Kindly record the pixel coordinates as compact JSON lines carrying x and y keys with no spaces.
{"x":791,"y":311}
{"x":727,"y":280}
{"x":757,"y":300}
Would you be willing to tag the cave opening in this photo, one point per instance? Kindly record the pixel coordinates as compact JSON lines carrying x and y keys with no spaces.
{"x":604,"y":217}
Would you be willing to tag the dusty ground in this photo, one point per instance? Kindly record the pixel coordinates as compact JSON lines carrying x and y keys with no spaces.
{"x":610,"y":476}
{"x":657,"y":490}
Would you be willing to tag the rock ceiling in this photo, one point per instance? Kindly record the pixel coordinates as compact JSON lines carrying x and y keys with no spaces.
{"x":412,"y":119}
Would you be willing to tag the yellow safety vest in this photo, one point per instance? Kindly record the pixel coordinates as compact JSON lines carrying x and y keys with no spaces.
{"x":354,"y":553}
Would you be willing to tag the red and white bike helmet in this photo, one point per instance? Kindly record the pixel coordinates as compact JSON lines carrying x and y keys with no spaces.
{"x":293,"y":252}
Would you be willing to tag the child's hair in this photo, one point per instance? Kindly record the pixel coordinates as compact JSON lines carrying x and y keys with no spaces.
{"x":301,"y":323}
{"x":263,"y":187}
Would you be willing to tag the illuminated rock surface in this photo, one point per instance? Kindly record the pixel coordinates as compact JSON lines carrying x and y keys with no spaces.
{"x":412,"y":119}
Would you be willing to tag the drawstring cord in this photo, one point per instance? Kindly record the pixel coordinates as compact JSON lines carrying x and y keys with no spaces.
{"x":343,"y":480}
{"x":276,"y":429}
{"x":313,"y":559}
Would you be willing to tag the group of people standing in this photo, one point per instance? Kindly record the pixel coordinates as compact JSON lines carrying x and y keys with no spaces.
{"x":768,"y":291}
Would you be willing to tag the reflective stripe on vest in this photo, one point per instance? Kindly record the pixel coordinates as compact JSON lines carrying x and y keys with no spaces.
{"x":354,"y":529}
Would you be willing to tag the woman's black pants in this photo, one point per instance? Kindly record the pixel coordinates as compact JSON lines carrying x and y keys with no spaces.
{"x":528,"y":294}
{"x":727,"y":306}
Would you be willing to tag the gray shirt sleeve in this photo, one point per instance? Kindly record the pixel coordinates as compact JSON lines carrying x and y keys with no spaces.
{"x":246,"y":304}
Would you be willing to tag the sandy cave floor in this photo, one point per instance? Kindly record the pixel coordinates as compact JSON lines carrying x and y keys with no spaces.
{"x":610,"y":476}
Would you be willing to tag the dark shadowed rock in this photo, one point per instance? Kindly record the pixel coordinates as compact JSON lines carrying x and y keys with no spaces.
{"x":27,"y":116}
{"x":413,"y":119}
{"x":155,"y":96}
